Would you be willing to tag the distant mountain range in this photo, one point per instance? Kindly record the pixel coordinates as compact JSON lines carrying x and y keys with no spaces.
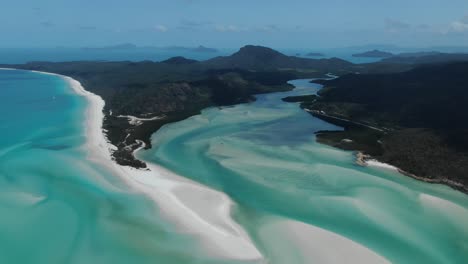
{"x":179,"y":61}
{"x":374,"y":54}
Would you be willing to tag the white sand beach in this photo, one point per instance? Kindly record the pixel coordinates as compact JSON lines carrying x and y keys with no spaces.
{"x":378,"y":164}
{"x":196,"y":209}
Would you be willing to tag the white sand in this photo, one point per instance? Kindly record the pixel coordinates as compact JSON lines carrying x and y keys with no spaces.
{"x":378,"y":164}
{"x":198,"y":210}
{"x":315,"y":245}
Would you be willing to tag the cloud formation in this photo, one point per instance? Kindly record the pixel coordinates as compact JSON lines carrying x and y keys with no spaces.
{"x":459,"y":26}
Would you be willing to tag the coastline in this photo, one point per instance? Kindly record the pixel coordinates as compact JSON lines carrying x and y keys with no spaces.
{"x":371,"y":158}
{"x":367,"y":160}
{"x":180,"y":200}
{"x":214,"y":226}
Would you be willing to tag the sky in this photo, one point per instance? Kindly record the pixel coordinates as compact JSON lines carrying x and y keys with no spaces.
{"x":231,"y":24}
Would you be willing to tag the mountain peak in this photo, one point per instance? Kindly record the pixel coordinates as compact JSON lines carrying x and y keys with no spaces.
{"x":258,"y":51}
{"x":179,"y":60}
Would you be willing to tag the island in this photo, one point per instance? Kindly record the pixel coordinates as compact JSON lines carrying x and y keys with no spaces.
{"x":374,"y":54}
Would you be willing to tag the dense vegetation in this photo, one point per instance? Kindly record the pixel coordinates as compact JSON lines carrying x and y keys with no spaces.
{"x":419,"y":119}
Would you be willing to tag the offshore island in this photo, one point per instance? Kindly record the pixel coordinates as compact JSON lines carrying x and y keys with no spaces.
{"x":405,"y":111}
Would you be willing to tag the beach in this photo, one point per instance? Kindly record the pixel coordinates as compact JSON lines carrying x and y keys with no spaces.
{"x":196,"y":209}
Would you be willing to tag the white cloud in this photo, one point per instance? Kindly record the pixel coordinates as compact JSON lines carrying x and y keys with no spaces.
{"x":459,"y":26}
{"x":161,"y":28}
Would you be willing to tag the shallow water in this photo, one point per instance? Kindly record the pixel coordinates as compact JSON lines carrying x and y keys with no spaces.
{"x":264,"y":156}
{"x":56,"y":206}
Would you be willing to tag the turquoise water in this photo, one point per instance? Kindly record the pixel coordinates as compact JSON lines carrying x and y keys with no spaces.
{"x":57,"y":206}
{"x":264,"y":156}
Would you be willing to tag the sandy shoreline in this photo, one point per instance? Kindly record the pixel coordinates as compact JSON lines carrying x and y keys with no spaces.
{"x":366,"y":160}
{"x":194,"y":208}
{"x":213,"y":225}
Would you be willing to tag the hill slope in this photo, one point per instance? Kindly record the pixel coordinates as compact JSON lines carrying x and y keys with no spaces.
{"x":262,"y":58}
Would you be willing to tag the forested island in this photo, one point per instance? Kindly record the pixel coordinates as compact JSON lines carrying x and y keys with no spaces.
{"x":405,"y":111}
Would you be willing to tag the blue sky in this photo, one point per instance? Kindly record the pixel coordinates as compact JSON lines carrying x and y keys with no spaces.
{"x":230,"y":24}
